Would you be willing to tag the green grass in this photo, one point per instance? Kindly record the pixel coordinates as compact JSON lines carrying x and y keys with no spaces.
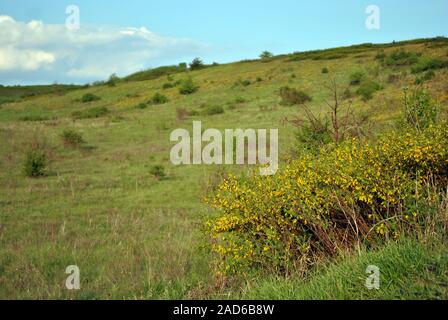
{"x":99,"y":207}
{"x":408,"y":270}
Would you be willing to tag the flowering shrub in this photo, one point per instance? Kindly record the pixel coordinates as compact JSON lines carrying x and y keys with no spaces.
{"x":321,"y":204}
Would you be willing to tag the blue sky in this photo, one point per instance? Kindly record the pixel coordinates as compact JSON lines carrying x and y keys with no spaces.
{"x":172,"y":31}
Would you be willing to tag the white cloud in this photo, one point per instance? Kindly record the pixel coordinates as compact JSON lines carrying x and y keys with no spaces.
{"x":51,"y":52}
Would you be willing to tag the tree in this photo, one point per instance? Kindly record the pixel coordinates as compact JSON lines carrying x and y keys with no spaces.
{"x":266,"y":55}
{"x":196,"y":64}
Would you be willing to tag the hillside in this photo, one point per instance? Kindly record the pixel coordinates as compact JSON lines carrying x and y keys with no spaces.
{"x":137,"y":234}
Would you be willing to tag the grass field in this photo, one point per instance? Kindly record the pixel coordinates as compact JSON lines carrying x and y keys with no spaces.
{"x":136,"y":236}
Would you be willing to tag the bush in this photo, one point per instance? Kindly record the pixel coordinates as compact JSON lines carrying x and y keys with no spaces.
{"x":196,"y":64}
{"x":367,"y":89}
{"x":212,"y":110}
{"x":34,"y":118}
{"x":401,"y":58}
{"x":158,"y":99}
{"x":292,"y":96}
{"x":317,"y":205}
{"x":90,"y":113}
{"x":35,"y":163}
{"x":325,"y":70}
{"x":420,"y":109}
{"x":356,"y":78}
{"x":168,"y":85}
{"x":426,"y":64}
{"x":266,"y":55}
{"x":188,"y":87}
{"x":157,"y":171}
{"x":141,"y":106}
{"x":89,"y":97}
{"x":72,"y":138}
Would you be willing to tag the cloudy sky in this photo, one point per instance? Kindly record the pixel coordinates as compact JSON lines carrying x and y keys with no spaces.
{"x":40,"y":41}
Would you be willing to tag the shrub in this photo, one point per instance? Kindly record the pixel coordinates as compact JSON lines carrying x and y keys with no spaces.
{"x":367,"y":89}
{"x":356,"y":78}
{"x":89,"y":97}
{"x":426,"y":64}
{"x":35,"y":163}
{"x":324,"y":70}
{"x":188,"y":87}
{"x":292,"y":96}
{"x":266,"y":55}
{"x":34,"y":118}
{"x":95,"y":112}
{"x":157,"y":171}
{"x":168,"y":85}
{"x":72,"y":138}
{"x":401,"y":58}
{"x":317,"y":205}
{"x":158,"y":99}
{"x":196,"y":64}
{"x":212,"y":110}
{"x":113,"y":79}
{"x":420,"y":109}
{"x":141,"y":106}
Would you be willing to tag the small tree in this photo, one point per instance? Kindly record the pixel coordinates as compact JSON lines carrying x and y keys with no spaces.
{"x":35,"y":163}
{"x":196,"y":64}
{"x":266,"y":55}
{"x":188,"y":87}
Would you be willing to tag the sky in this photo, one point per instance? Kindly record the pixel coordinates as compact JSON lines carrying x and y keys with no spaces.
{"x":37,"y":46}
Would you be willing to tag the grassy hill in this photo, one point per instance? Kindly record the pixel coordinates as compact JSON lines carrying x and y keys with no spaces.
{"x":136,"y":235}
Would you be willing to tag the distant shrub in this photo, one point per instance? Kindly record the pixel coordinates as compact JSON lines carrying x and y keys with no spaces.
{"x":265,"y":55}
{"x":259,"y":79}
{"x":35,"y":163}
{"x":240,"y":100}
{"x":72,"y":138}
{"x":168,"y":85}
{"x":324,"y":70}
{"x":188,"y":87}
{"x":401,"y":58}
{"x":426,"y":77}
{"x":158,"y":99}
{"x":426,"y":64}
{"x":89,"y":97}
{"x":212,"y":110}
{"x":141,"y":105}
{"x":196,"y":64}
{"x":292,"y":96}
{"x":420,"y":109}
{"x":157,"y":171}
{"x":367,"y":89}
{"x":113,"y":79}
{"x":356,"y":78}
{"x":95,"y":112}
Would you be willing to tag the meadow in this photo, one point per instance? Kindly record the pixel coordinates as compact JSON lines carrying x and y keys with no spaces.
{"x":114,"y":205}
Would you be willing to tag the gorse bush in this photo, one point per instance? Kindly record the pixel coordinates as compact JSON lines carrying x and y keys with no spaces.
{"x":158,"y":99}
{"x":157,"y":171}
{"x":420,"y":109}
{"x":367,"y":89}
{"x":356,"y":78}
{"x":427,"y":63}
{"x":71,"y":138}
{"x":325,"y":70}
{"x":290,"y":96}
{"x":357,"y":191}
{"x":35,"y":163}
{"x":401,"y":58}
{"x":188,"y":87}
{"x":89,"y":97}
